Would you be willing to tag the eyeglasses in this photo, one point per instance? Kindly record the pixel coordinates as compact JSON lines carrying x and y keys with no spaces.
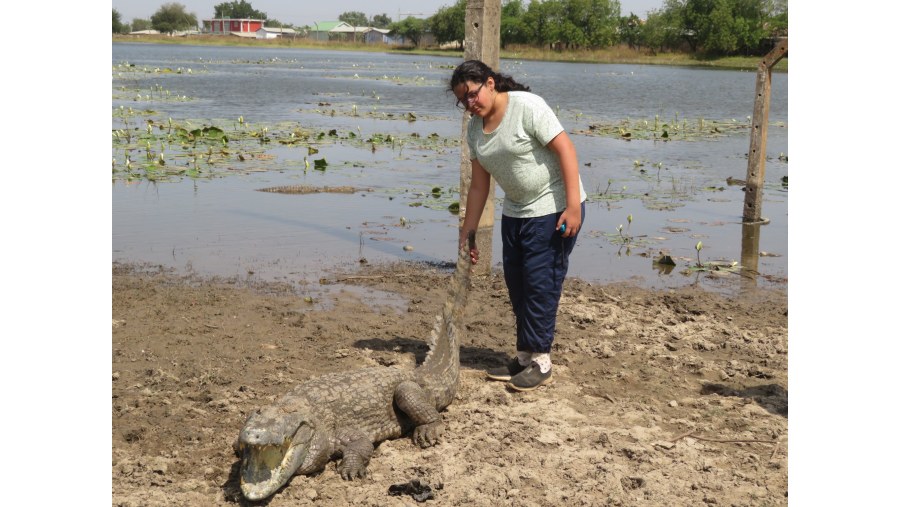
{"x":469,"y":98}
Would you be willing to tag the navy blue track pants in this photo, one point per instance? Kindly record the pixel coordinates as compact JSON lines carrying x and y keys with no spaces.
{"x":535,"y":262}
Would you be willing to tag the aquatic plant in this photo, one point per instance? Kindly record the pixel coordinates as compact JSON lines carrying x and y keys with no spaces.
{"x":673,"y":130}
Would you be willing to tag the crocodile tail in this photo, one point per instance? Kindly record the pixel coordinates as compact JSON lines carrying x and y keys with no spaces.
{"x":440,"y":371}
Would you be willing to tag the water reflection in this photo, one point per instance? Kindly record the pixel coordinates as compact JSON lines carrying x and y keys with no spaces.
{"x":664,"y":265}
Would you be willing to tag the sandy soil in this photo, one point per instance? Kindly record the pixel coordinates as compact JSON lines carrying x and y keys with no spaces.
{"x":659,"y":398}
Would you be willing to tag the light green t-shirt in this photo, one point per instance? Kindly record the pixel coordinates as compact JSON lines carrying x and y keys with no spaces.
{"x":517,"y":156}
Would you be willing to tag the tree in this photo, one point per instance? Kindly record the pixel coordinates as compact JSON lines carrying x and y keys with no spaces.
{"x":575,"y":16}
{"x":410,"y":29}
{"x":721,"y":39}
{"x":725,"y":27}
{"x":542,"y":22}
{"x":630,"y":30}
{"x":777,"y":18}
{"x":274,"y":23}
{"x":354,"y":18}
{"x":238,"y":10}
{"x":380,"y":21}
{"x":172,"y":17}
{"x":652,"y":34}
{"x":601,"y":22}
{"x":138,"y":24}
{"x":449,"y":23}
{"x":512,"y":23}
{"x":117,"y":26}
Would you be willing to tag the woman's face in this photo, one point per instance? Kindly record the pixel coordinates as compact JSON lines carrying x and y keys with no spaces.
{"x":474,"y":97}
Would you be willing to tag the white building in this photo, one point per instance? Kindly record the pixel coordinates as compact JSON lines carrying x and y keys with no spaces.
{"x":273,"y":33}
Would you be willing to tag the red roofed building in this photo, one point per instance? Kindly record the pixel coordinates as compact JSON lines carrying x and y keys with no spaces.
{"x":227,"y":26}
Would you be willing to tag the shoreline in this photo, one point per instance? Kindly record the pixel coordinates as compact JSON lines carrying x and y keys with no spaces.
{"x":613,"y":55}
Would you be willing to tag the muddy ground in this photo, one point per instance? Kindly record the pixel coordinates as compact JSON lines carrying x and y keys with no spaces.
{"x":660,"y":397}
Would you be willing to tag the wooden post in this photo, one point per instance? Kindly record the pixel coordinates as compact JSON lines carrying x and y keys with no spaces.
{"x":756,"y":159}
{"x":482,"y":42}
{"x":750,"y":252}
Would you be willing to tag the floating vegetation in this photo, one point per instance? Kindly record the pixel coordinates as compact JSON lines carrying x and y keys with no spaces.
{"x":711,"y":266}
{"x":720,"y":266}
{"x":436,"y":198}
{"x":400,"y":80}
{"x":623,"y":236}
{"x":309,"y":189}
{"x":354,"y":110}
{"x":265,"y":61}
{"x":155,"y":93}
{"x":610,"y":194}
{"x":125,"y":68}
{"x":676,"y":129}
{"x":149,"y":147}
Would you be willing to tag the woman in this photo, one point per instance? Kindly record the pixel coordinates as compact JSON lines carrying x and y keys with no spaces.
{"x":515,"y":137}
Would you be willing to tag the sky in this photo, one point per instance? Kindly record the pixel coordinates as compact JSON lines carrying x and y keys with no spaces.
{"x":305,"y":13}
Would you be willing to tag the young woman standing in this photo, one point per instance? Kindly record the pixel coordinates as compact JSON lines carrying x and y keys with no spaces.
{"x":515,"y":137}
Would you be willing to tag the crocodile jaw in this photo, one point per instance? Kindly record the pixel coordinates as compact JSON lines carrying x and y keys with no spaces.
{"x":266,"y":468}
{"x":273,"y":447}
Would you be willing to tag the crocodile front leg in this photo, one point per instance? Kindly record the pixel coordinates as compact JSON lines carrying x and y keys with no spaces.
{"x":356,"y":449}
{"x":419,"y":407}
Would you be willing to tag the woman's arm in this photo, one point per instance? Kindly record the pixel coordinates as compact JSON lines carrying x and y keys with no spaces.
{"x":562,"y":146}
{"x":478,"y":194}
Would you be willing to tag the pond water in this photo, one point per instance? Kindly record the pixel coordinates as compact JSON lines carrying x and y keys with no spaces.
{"x":356,"y":110}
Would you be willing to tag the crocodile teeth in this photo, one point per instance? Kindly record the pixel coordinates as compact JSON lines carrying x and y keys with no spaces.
{"x":263,"y":468}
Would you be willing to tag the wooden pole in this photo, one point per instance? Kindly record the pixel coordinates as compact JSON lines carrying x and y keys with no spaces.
{"x":750,"y":252}
{"x":482,"y":42}
{"x":756,"y":159}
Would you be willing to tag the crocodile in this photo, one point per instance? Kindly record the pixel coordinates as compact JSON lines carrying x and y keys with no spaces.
{"x":344,"y":415}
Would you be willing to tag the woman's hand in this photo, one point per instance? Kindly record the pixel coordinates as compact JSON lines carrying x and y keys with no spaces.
{"x":467,"y":241}
{"x":572,"y":218}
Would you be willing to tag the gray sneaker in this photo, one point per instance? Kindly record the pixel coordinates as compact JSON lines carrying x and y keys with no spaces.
{"x":507,"y":372}
{"x":530,"y":378}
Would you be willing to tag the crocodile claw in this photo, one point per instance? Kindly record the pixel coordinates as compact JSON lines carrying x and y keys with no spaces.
{"x":427,"y":435}
{"x":348,"y":474}
{"x":351,"y":471}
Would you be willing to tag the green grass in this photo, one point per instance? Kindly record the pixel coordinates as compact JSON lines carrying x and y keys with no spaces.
{"x":618,"y":54}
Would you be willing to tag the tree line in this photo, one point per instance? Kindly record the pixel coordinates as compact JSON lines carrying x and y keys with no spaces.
{"x":173,"y":17}
{"x":711,"y":27}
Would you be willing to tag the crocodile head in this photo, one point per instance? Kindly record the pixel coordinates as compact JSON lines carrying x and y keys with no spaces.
{"x":273,"y":444}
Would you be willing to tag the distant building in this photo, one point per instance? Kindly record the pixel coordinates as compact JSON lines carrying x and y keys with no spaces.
{"x":273,"y":33}
{"x":378,"y":36}
{"x":327,"y":30}
{"x":427,"y":39}
{"x":232,"y":26}
{"x":339,"y":30}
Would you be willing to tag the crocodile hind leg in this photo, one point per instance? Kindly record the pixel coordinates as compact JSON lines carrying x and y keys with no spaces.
{"x":356,"y":449}
{"x":419,"y":407}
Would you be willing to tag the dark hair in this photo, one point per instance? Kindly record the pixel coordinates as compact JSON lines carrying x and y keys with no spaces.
{"x":478,"y":72}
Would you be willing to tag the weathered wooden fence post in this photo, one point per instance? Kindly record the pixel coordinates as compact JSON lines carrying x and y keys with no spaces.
{"x":482,"y":42}
{"x":750,"y":252}
{"x":756,"y":164}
